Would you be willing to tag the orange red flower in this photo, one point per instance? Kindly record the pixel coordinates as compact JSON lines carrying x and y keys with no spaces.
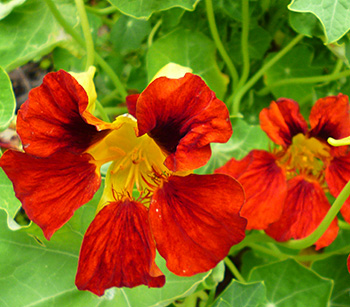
{"x":286,"y":187}
{"x":151,"y":199}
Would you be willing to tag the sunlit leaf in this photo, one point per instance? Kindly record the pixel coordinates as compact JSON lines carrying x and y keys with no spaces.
{"x":140,"y":8}
{"x":333,"y":15}
{"x":241,"y":294}
{"x":38,"y":272}
{"x":335,"y":268}
{"x":288,"y":283}
{"x":295,"y":64}
{"x":8,"y":6}
{"x":7,"y":100}
{"x":181,"y":47}
{"x":31,"y":31}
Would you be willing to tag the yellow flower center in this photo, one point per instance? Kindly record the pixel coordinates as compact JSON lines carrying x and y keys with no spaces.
{"x":305,"y":156}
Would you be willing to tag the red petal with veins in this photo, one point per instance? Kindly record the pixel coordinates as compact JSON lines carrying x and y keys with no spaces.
{"x":265,"y":187}
{"x":183,"y":116}
{"x":118,"y":250}
{"x":330,"y":117}
{"x":305,"y":207}
{"x":337,"y":176}
{"x":195,"y":220}
{"x":51,"y":189}
{"x":282,"y":120}
{"x":51,"y":119}
{"x":131,"y":101}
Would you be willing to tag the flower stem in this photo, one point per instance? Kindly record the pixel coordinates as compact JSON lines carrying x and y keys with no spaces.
{"x":153,"y":32}
{"x":102,"y":111}
{"x":219,"y":45}
{"x":104,"y":11}
{"x":319,"y":231}
{"x":233,"y":269}
{"x":238,"y":96}
{"x":244,"y":44}
{"x":67,"y":27}
{"x":306,"y":80}
{"x":90,"y":51}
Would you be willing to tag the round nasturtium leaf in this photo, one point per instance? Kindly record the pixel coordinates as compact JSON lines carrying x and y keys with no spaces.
{"x":7,"y":100}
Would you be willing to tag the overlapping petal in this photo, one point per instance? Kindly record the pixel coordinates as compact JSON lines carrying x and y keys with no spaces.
{"x":118,"y":250}
{"x":265,"y":186}
{"x":337,"y":176}
{"x":183,"y":116}
{"x":305,"y":207}
{"x":55,"y":117}
{"x":282,"y":120}
{"x":330,"y":117}
{"x":51,"y":189}
{"x":195,"y":220}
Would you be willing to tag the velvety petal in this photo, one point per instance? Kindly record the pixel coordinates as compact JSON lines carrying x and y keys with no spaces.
{"x":265,"y":187}
{"x":282,"y":120}
{"x":51,"y":119}
{"x":118,"y":250}
{"x":195,"y":220}
{"x":51,"y":189}
{"x":131,"y":101}
{"x":183,"y":116}
{"x":337,"y":176}
{"x":305,"y":207}
{"x":330,"y":117}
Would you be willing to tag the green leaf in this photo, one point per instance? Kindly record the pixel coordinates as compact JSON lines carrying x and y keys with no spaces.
{"x":144,"y":9}
{"x":8,"y":200}
{"x":7,"y":7}
{"x":288,"y":283}
{"x":128,"y":33}
{"x":242,"y":295}
{"x":31,"y":31}
{"x":244,"y":139}
{"x":295,"y":64}
{"x":306,"y":24}
{"x":333,"y":15}
{"x":7,"y":100}
{"x":335,"y":268}
{"x":43,"y":274}
{"x":182,"y":47}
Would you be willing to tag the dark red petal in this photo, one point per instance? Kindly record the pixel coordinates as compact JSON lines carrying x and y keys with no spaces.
{"x":118,"y":250}
{"x":183,"y":116}
{"x":51,"y":189}
{"x":348,"y":263}
{"x":330,"y":117}
{"x":195,"y":220}
{"x":305,"y":207}
{"x":131,"y":101}
{"x":282,"y":120}
{"x":337,"y":176}
{"x":265,"y":187}
{"x":51,"y":119}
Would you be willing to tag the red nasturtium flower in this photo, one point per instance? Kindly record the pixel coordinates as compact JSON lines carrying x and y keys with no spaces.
{"x":192,"y":220}
{"x":285,"y":188}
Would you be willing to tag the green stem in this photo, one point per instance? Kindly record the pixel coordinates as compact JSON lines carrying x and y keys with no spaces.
{"x":90,"y":50}
{"x":104,"y":11}
{"x":244,"y":44}
{"x":153,"y":32}
{"x":268,"y":251}
{"x":102,"y":112}
{"x":219,"y":44}
{"x":338,"y":66}
{"x":233,"y":269}
{"x":320,"y":230}
{"x":321,"y":256}
{"x":306,"y":80}
{"x":67,"y":27}
{"x":343,"y":225}
{"x":259,"y":73}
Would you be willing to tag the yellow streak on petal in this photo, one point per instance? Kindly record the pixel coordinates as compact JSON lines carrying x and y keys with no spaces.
{"x":85,"y":79}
